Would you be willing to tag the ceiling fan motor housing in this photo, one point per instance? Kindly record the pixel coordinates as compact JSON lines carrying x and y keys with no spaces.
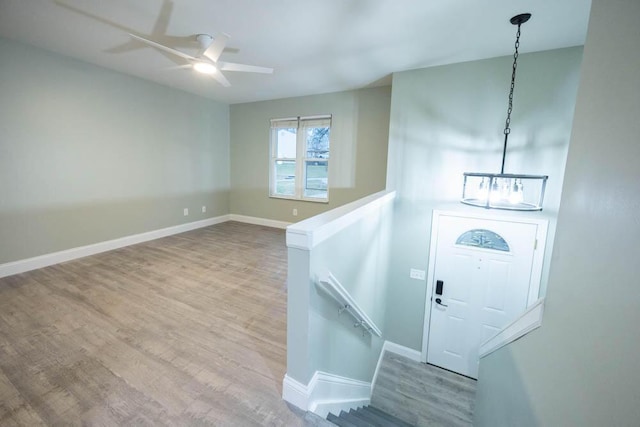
{"x":205,"y":40}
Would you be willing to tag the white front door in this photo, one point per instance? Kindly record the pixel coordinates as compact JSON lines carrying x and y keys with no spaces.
{"x":481,"y":281}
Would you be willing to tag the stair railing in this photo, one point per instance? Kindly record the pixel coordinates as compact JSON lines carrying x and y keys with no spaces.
{"x":333,"y":288}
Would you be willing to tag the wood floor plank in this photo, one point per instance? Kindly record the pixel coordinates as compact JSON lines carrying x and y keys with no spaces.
{"x":184,"y":330}
{"x":422,"y":394}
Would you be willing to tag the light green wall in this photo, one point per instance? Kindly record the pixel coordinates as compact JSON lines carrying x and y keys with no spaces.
{"x":319,"y":338}
{"x":359,"y":136}
{"x":88,"y":154}
{"x":299,"y":363}
{"x":581,"y":367}
{"x":448,"y":120}
{"x":358,"y":257}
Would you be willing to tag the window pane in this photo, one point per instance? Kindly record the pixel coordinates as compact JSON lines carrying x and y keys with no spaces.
{"x":285,"y":178}
{"x":318,"y":142}
{"x":486,"y":239}
{"x":286,"y":143}
{"x":316,"y":178}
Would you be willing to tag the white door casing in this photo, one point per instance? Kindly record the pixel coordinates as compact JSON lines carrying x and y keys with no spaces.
{"x":483,"y":289}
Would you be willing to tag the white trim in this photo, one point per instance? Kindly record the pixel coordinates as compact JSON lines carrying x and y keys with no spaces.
{"x":402,"y":350}
{"x":397,"y":349}
{"x":300,"y":199}
{"x":527,"y":322}
{"x":46,"y":260}
{"x":295,"y":392}
{"x":432,"y":265}
{"x":259,"y":221}
{"x":330,"y":392}
{"x":311,"y":232}
{"x":542,"y":226}
{"x":326,"y":393}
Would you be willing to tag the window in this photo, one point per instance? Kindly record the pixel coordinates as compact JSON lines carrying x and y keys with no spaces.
{"x":299,"y":163}
{"x":486,"y":239}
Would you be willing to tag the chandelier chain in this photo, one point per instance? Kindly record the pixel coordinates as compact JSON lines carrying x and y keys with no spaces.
{"x":507,"y":128}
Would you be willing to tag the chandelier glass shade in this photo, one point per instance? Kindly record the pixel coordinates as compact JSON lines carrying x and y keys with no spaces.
{"x":504,"y":191}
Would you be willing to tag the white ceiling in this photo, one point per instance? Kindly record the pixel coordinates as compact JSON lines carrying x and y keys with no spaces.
{"x":315,"y":46}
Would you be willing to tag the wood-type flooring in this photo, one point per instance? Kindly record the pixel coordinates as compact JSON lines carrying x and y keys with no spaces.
{"x":423,"y":395}
{"x":186,"y":330}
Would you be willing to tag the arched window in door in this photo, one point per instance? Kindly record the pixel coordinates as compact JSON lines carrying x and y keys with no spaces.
{"x":485,"y":239}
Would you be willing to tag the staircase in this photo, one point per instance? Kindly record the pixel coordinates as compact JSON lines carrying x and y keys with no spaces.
{"x":367,"y":416}
{"x":409,"y":393}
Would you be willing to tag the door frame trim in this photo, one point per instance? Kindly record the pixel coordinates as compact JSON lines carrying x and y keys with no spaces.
{"x":536,"y":266}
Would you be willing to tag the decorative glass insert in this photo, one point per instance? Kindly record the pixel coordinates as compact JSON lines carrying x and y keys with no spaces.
{"x":485,"y":239}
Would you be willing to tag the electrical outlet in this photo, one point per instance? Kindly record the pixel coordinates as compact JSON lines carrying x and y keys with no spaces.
{"x":295,"y":212}
{"x":204,"y":209}
{"x":186,"y":211}
{"x":417,"y":274}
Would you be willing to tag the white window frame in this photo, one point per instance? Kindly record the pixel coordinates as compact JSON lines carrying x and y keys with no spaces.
{"x":300,"y":123}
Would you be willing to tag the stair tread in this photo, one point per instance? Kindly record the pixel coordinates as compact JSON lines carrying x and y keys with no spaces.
{"x":354,"y":419}
{"x":389,"y":417}
{"x":340,"y":421}
{"x":367,"y":416}
{"x":371,"y":417}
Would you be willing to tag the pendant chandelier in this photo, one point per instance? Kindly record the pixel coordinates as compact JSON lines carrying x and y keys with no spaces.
{"x":501,"y":190}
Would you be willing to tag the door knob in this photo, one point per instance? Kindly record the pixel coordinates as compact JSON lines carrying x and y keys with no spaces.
{"x":439,"y":302}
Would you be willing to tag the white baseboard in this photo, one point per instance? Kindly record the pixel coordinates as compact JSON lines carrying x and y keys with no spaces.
{"x":295,"y":393}
{"x":259,"y":221}
{"x":397,"y":349}
{"x":322,"y":409}
{"x":401,"y":350}
{"x":326,"y":393}
{"x":332,"y":393}
{"x":28,"y":264}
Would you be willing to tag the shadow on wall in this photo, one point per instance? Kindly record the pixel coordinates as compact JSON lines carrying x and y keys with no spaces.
{"x":358,"y":257}
{"x":342,"y":340}
{"x":509,"y":379}
{"x":25,"y":234}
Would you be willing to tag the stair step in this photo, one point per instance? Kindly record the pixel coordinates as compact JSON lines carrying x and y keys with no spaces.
{"x":367,"y":416}
{"x":353,"y":419}
{"x":352,"y":416}
{"x":340,"y":421}
{"x":397,"y":421}
{"x":372,"y":418}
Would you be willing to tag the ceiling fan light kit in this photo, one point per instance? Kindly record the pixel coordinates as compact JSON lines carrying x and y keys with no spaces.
{"x":206,"y":60}
{"x":204,"y":67}
{"x":499,"y":190}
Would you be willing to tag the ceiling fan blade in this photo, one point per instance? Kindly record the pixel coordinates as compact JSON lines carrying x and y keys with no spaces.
{"x":175,"y":41}
{"x":128,"y":46}
{"x":181,"y":67}
{"x":230,"y":66}
{"x":162,"y":21}
{"x":92,"y":16}
{"x":215,"y":49}
{"x":134,"y":45}
{"x":221,"y":79}
{"x":162,"y":47}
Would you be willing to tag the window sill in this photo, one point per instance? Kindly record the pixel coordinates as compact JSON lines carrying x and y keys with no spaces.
{"x":302,"y":199}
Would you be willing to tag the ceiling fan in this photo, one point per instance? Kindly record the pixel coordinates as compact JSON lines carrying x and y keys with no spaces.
{"x":206,"y":60}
